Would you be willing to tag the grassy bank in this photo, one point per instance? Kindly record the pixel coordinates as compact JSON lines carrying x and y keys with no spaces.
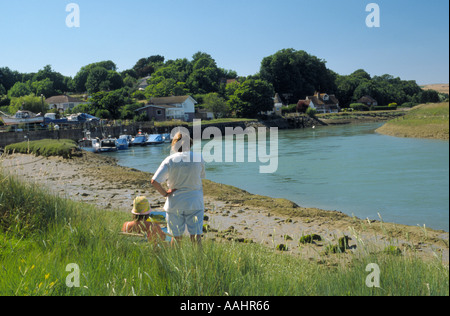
{"x":46,"y":147}
{"x":423,"y":121}
{"x":41,"y":234}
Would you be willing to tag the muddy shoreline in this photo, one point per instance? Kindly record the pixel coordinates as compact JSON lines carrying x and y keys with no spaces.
{"x":231,"y":213}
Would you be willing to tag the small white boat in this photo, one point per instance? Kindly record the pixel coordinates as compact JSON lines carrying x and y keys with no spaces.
{"x":21,"y":117}
{"x":104,"y":145}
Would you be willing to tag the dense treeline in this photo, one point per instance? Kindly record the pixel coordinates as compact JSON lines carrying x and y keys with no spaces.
{"x":115,"y":95}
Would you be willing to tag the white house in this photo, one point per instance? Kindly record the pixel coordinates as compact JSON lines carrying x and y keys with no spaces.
{"x":324,"y":103}
{"x":63,"y":102}
{"x":182,"y":107}
{"x":142,"y":83}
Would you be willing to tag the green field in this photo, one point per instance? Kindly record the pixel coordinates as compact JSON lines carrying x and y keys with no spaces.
{"x":423,"y":121}
{"x":43,"y":237}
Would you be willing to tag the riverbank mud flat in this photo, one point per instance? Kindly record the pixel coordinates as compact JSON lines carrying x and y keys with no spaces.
{"x":360,"y":117}
{"x":232,"y":214}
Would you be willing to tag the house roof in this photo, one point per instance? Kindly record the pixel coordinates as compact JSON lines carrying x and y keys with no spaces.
{"x":367,"y":99}
{"x":62,"y":99}
{"x":318,"y":99}
{"x":171,"y":100}
{"x":277,"y":99}
{"x":159,"y":106}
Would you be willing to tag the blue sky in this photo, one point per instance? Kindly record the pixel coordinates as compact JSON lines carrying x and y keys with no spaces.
{"x":412,"y":42}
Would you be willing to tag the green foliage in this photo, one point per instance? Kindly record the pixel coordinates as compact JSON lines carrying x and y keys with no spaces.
{"x":99,"y":79}
{"x":359,"y":107}
{"x":47,"y":147}
{"x":216,"y":104}
{"x":311,"y":112}
{"x":19,"y":89}
{"x":309,"y":239}
{"x":252,"y":97}
{"x":28,"y":103}
{"x":109,"y":104}
{"x":297,"y":72}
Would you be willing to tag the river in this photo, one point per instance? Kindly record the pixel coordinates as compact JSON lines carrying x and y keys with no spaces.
{"x":347,"y":168}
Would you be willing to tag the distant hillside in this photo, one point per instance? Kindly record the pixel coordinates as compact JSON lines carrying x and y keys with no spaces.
{"x":441,"y":87}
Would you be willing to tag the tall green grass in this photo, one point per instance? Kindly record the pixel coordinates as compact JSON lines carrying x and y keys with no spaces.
{"x":41,"y":234}
{"x":46,"y":147}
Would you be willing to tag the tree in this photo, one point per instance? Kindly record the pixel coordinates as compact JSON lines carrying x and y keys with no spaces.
{"x":30,"y":103}
{"x":96,"y":80}
{"x":112,"y":102}
{"x":251,"y":98}
{"x":60,"y":82}
{"x":297,"y":73}
{"x":80,"y":79}
{"x":147,"y":66}
{"x":8,"y":77}
{"x":43,"y":87}
{"x":19,"y":89}
{"x":214,"y":103}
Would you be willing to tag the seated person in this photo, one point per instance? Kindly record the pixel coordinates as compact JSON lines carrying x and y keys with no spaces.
{"x":141,"y":213}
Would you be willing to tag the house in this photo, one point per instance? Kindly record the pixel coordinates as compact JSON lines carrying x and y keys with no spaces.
{"x":278,"y":104}
{"x":324,"y":103}
{"x":368,"y":100}
{"x":158,"y":112}
{"x":182,"y":107}
{"x":63,"y":102}
{"x":142,"y":83}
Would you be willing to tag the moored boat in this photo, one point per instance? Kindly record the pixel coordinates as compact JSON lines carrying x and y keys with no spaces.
{"x":155,"y":139}
{"x":104,"y":145}
{"x":122,"y":144}
{"x":21,"y":117}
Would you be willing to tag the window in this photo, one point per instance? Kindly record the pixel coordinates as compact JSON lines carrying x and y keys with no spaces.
{"x":158,"y":112}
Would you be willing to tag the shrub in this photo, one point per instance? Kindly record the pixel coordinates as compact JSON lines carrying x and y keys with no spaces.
{"x":308,"y":239}
{"x":359,"y":107}
{"x":311,"y":112}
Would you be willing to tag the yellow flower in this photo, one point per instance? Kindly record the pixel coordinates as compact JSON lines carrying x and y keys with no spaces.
{"x":32,"y":267}
{"x":40,"y":284}
{"x":47,"y":276}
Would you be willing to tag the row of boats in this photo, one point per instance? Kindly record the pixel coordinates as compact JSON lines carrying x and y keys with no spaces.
{"x":124,"y":142}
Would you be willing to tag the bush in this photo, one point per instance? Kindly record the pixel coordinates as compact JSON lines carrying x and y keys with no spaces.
{"x":359,"y":107}
{"x":308,"y":239}
{"x":311,"y":112}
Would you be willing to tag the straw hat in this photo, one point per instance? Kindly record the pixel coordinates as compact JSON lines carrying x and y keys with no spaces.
{"x":141,"y":206}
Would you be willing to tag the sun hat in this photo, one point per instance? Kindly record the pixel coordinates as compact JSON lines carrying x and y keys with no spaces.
{"x":141,"y":206}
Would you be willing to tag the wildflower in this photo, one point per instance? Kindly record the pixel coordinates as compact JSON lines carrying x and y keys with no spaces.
{"x":47,"y":276}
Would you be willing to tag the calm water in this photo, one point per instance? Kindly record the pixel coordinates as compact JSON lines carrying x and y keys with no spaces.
{"x":346,"y":168}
